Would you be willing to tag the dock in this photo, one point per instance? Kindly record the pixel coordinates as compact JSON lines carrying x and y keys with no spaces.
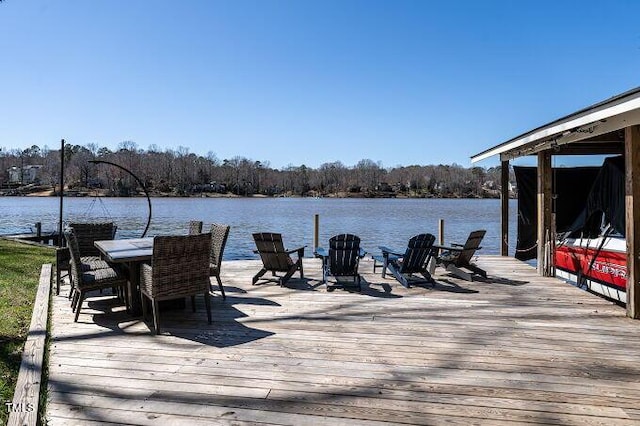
{"x":515,"y":348}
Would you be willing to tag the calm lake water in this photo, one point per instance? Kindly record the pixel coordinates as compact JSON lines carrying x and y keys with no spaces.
{"x":389,"y":222}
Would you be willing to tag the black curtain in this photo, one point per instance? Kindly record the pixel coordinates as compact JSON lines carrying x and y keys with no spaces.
{"x":605,"y":203}
{"x":571,"y":189}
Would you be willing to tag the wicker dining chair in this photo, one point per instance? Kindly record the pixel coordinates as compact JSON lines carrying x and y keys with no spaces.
{"x":179,"y":268}
{"x":219,"y":235}
{"x":87,"y":233}
{"x":87,"y":280}
{"x":195,"y":227}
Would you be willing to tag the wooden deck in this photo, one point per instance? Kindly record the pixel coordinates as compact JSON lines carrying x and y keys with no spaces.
{"x":516,"y":348}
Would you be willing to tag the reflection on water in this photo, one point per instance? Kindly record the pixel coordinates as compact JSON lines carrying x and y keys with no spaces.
{"x":389,"y":222}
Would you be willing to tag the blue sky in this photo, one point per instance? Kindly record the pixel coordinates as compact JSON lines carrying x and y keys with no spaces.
{"x":307,"y":82}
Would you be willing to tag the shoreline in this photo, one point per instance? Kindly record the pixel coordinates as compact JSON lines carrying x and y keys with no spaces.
{"x":382,"y":195}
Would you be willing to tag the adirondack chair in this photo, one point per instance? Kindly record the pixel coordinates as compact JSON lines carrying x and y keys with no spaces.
{"x":415,"y":259}
{"x":342,"y":259}
{"x":459,"y":256}
{"x":275,"y":258}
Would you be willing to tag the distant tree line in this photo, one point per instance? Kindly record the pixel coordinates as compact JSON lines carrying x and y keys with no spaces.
{"x":182,"y":173}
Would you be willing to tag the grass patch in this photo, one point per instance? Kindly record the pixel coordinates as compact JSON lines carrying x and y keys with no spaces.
{"x":20,"y":266}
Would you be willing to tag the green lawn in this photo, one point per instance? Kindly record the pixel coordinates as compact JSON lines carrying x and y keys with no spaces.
{"x":20,"y":266}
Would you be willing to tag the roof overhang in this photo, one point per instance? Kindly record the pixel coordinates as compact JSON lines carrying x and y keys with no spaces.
{"x":593,"y":126}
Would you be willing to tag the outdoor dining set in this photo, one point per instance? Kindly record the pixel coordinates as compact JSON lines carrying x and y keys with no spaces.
{"x":147,"y":272}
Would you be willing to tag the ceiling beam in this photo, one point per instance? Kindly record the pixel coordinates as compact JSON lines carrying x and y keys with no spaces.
{"x":590,"y":149}
{"x":616,"y":136}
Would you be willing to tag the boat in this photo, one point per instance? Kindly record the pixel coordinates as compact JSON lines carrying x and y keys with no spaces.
{"x":599,"y":264}
{"x":591,"y":248}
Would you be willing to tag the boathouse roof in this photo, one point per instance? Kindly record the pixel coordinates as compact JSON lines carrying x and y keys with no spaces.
{"x":597,"y":129}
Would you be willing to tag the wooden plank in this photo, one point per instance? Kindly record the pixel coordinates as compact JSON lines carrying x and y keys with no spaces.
{"x":433,"y":390}
{"x":157,"y":407}
{"x":412,"y":382}
{"x":302,"y":356}
{"x":62,"y":415}
{"x":454,"y":374}
{"x":632,"y":217}
{"x":633,"y":413}
{"x":524,"y":346}
{"x":527,"y":345}
{"x":25,"y":403}
{"x":480,"y":356}
{"x":307,"y":408}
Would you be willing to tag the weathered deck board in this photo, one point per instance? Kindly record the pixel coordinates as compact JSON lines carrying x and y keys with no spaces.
{"x":26,"y":399}
{"x":515,"y":348}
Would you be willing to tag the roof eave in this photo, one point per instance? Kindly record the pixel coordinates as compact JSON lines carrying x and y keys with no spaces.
{"x":621,"y":110}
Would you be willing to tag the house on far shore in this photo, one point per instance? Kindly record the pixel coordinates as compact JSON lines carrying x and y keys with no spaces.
{"x":24,"y":175}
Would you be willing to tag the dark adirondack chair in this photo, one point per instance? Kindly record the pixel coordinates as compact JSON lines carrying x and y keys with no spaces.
{"x":275,"y":258}
{"x":342,"y":259}
{"x":414,"y":260}
{"x":459,"y":256}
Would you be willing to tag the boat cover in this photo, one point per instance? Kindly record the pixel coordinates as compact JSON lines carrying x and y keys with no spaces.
{"x":585,"y":198}
{"x":605,"y":203}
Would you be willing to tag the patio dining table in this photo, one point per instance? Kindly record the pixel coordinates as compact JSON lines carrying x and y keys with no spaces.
{"x":132,"y":252}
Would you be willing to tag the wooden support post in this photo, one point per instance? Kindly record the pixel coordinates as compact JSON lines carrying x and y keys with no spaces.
{"x":546,"y":235}
{"x":316,"y":231}
{"x":61,"y":195}
{"x":632,"y":211}
{"x":440,"y":241}
{"x":504,"y":205}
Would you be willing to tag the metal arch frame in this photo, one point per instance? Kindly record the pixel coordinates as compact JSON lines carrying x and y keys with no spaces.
{"x":144,"y":188}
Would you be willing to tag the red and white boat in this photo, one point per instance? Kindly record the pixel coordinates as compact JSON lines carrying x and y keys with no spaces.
{"x":599,"y":263}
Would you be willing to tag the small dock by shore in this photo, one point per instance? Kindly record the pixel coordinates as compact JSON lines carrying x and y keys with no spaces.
{"x":47,"y":239}
{"x":515,"y":348}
